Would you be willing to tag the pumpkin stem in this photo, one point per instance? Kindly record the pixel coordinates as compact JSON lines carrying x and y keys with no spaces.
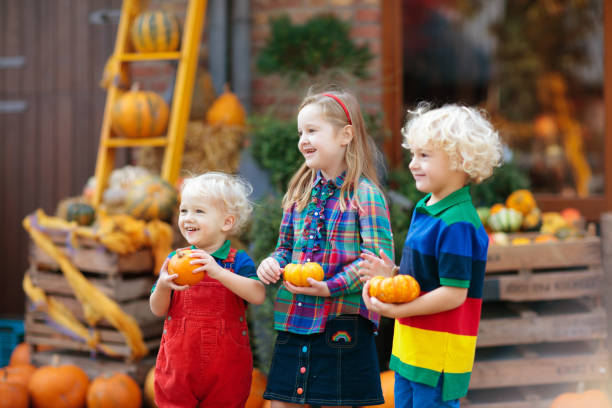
{"x":135,"y":87}
{"x":226,"y":88}
{"x":55,"y":360}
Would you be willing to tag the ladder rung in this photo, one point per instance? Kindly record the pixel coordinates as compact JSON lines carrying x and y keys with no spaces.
{"x":152,"y":56}
{"x":124,"y":142}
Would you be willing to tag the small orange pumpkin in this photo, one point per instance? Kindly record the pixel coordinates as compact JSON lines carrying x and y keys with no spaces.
{"x":64,"y":386}
{"x":521,"y":201}
{"x":297,"y":274}
{"x":19,"y":374}
{"x":496,"y":208}
{"x":21,"y":354}
{"x":397,"y":289}
{"x":114,"y":390}
{"x":180,"y":264}
{"x":13,"y":395}
{"x":587,"y":399}
{"x":258,"y":386}
{"x":226,"y":110}
{"x":571,"y":215}
{"x":139,"y":114}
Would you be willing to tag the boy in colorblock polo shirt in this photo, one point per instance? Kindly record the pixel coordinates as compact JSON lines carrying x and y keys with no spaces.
{"x":445,"y":251}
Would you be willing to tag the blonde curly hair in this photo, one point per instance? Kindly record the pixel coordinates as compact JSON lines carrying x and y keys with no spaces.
{"x":463,"y":133}
{"x":228,"y":191}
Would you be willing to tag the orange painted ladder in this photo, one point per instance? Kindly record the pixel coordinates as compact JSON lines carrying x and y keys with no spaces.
{"x":187,"y":58}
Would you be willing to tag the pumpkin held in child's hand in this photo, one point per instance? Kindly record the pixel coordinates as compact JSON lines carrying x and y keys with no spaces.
{"x":297,"y":274}
{"x":180,"y":264}
{"x":398,"y":289}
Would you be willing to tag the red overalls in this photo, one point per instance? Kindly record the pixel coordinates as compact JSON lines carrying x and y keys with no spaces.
{"x":205,"y":358}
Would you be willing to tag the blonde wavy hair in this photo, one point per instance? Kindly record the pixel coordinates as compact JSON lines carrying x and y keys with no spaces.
{"x":362,"y":156}
{"x":463,"y":133}
{"x":227,"y":191}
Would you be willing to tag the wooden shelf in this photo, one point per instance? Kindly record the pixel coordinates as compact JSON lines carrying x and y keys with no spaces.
{"x":121,"y":142}
{"x":153,"y":56}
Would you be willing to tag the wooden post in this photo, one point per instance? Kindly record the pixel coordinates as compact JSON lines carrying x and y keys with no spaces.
{"x":606,"y":244}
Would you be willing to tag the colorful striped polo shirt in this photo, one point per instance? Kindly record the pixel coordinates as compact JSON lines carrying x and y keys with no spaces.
{"x":446,"y":245}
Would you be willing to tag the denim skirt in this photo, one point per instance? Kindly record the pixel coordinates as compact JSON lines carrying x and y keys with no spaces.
{"x":336,"y":367}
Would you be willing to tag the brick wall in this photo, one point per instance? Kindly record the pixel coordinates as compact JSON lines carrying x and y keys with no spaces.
{"x":270,"y":92}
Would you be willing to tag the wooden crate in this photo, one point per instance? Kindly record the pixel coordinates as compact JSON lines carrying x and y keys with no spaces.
{"x":544,"y":326}
{"x":126,"y":279}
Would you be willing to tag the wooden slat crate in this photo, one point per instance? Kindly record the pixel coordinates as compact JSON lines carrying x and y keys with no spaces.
{"x":126,"y":279}
{"x":544,"y":325}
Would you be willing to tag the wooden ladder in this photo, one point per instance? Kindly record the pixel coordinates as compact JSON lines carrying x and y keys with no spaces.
{"x":187,"y":58}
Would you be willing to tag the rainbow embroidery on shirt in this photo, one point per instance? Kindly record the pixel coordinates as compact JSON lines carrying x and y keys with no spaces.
{"x":342,"y":335}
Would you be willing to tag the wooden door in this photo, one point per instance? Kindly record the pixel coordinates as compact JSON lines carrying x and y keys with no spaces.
{"x":52,"y":53}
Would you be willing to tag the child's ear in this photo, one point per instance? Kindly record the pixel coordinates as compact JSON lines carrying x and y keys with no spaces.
{"x":346,"y":135}
{"x":228,"y":222}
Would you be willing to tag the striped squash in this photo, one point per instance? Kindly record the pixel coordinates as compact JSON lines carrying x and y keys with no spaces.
{"x":140,"y":114}
{"x":155,"y":31}
{"x":151,"y":198}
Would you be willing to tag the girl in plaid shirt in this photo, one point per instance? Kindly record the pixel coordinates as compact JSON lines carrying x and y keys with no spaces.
{"x":334,"y":211}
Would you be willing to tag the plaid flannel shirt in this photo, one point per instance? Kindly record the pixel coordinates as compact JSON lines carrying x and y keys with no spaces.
{"x":334,"y":238}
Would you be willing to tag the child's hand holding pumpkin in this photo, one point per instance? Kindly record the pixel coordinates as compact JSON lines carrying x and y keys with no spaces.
{"x":207,"y":262}
{"x":166,"y":281}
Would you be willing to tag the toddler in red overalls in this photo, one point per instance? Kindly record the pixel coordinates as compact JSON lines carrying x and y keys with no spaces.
{"x":205,"y":359}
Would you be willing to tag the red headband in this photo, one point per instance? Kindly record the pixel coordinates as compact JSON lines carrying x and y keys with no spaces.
{"x":341,"y":104}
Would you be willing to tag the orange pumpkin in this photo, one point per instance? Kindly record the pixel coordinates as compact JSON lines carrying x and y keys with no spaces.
{"x":18,"y":374}
{"x":114,"y":390}
{"x":13,"y":395}
{"x":155,"y":31}
{"x":226,"y":110}
{"x":387,"y":381}
{"x":521,"y":201}
{"x":139,"y":114}
{"x":571,"y":215}
{"x":21,"y":354}
{"x":149,"y":388}
{"x":398,"y":289}
{"x":258,"y":386}
{"x":297,"y":274}
{"x":180,"y":264}
{"x":64,"y":386}
{"x":587,"y":399}
{"x":496,"y":208}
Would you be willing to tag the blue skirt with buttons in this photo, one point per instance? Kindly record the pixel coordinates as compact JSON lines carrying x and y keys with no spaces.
{"x":334,"y":368}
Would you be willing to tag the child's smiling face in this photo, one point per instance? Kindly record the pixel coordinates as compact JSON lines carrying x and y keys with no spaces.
{"x":322,"y":145}
{"x":201,"y":221}
{"x":431,"y":169}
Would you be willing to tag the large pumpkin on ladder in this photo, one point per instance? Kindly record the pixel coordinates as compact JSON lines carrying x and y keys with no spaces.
{"x":140,"y":114}
{"x":151,"y":198}
{"x":155,"y":31}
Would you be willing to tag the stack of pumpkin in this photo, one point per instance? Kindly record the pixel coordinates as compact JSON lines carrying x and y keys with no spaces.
{"x":62,"y":386}
{"x":520,"y":213}
{"x":214,"y":143}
